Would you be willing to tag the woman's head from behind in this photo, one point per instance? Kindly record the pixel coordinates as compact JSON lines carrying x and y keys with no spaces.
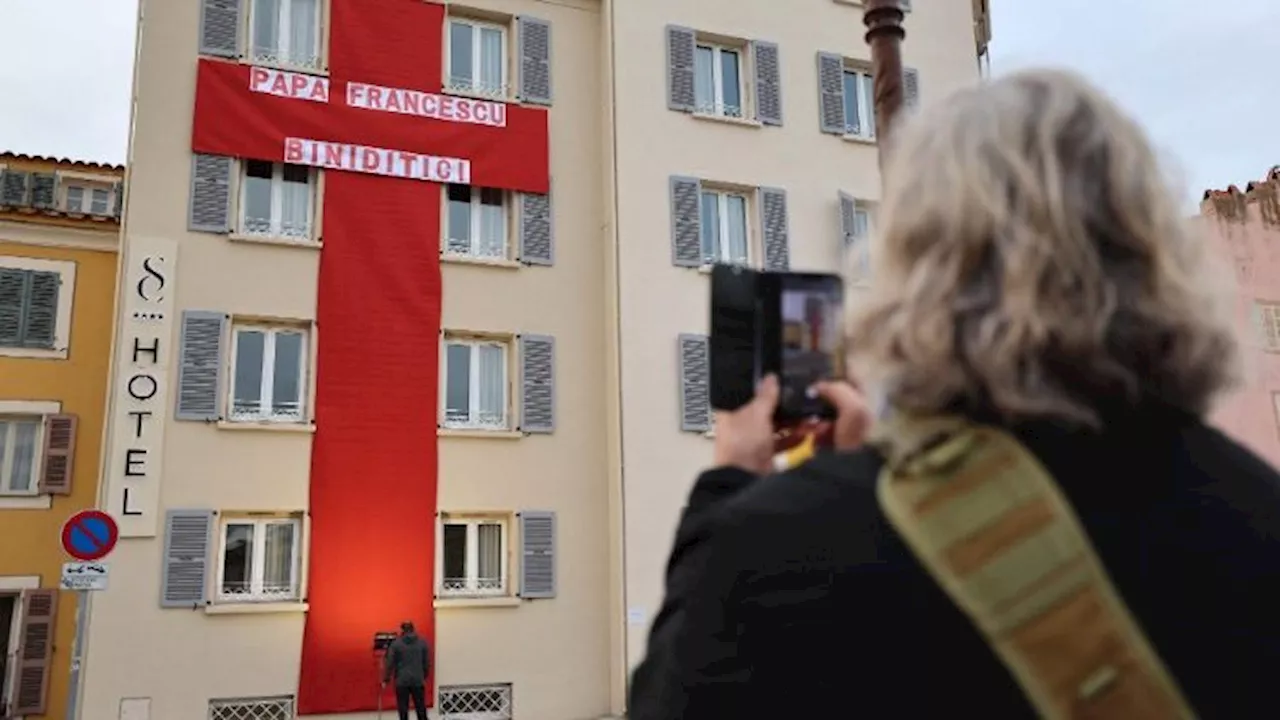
{"x":1032,"y":263}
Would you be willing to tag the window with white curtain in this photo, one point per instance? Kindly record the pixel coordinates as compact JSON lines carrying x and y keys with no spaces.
{"x":476,"y":223}
{"x":473,"y":556}
{"x":859,"y":103}
{"x":724,"y":227}
{"x":259,"y":559}
{"x":477,"y":59}
{"x":268,"y":373}
{"x":718,"y":80}
{"x":475,"y":384}
{"x":285,"y":33}
{"x":276,"y":200}
{"x":858,"y":245}
{"x":20,"y":446}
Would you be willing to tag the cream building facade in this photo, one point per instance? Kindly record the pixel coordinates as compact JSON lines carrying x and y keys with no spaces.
{"x":573,"y":386}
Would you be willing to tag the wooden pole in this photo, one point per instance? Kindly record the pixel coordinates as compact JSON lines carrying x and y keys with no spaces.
{"x":885,"y":34}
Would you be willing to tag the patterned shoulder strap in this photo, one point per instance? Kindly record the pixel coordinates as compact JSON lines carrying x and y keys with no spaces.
{"x":994,"y":530}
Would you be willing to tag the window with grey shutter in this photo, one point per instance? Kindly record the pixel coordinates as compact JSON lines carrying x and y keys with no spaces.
{"x":40,"y":326}
{"x":537,"y":384}
{"x":831,"y":93}
{"x":686,"y":222}
{"x":695,"y":383}
{"x":911,"y":88}
{"x":13,"y":188}
{"x":200,"y":365}
{"x":680,"y":60}
{"x":534,"y":45}
{"x":768,"y":82}
{"x":537,"y":239}
{"x":537,"y":554}
{"x":188,"y":535}
{"x":848,"y":219}
{"x":28,"y":308}
{"x":210,"y":209}
{"x":44,"y":191}
{"x":775,"y":229}
{"x":220,"y":28}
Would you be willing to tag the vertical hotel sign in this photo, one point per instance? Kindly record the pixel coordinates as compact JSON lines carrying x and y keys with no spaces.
{"x":140,"y":403}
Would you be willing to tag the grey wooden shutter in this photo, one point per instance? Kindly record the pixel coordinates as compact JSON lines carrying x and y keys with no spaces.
{"x":534,"y":45}
{"x":13,"y":303}
{"x":768,"y":82}
{"x":188,"y":535}
{"x":118,"y":189}
{"x":775,"y":228}
{"x":686,"y":222}
{"x":695,"y":383}
{"x":59,"y":454}
{"x":200,"y":365}
{"x":848,"y":219}
{"x":538,"y":554}
{"x":40,"y":321}
{"x":13,"y":188}
{"x":681,"y":44}
{"x":35,"y":652}
{"x":220,"y":28}
{"x":537,"y":238}
{"x":831,"y":93}
{"x":911,"y":88}
{"x":210,"y":209}
{"x":537,"y":384}
{"x":44,"y":191}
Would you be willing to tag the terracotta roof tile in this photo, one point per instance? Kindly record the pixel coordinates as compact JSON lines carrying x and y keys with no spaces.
{"x":89,"y":164}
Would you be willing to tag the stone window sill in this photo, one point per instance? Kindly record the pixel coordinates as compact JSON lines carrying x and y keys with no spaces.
{"x":503,"y":263}
{"x":740,"y":122}
{"x":479,"y":434}
{"x":34,"y":353}
{"x":477,"y":602}
{"x":251,"y":608}
{"x":273,"y":240}
{"x":858,"y":140}
{"x":26,"y":502}
{"x":306,"y":428}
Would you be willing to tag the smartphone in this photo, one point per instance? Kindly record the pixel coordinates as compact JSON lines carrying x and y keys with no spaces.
{"x":788,"y":324}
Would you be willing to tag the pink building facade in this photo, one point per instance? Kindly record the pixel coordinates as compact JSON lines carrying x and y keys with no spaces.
{"x":1244,"y":228}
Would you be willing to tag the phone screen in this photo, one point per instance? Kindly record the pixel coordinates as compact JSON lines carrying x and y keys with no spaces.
{"x":810,"y":309}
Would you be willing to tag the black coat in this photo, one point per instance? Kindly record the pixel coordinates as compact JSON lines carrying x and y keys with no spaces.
{"x":792,"y":596}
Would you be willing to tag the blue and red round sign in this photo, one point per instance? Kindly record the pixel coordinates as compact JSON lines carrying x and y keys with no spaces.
{"x":89,"y":535}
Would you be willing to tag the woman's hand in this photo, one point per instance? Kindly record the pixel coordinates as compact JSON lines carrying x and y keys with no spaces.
{"x":745,"y":438}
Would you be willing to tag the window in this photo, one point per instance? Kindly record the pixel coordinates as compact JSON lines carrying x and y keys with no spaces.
{"x":87,"y":199}
{"x":269,"y":376}
{"x":473,"y":558}
{"x":259,"y":559}
{"x":285,"y":32}
{"x":20,"y":448}
{"x":859,"y":104}
{"x":99,"y":201}
{"x":718,"y":80}
{"x":29,"y":307}
{"x":275,"y":200}
{"x":475,"y":702}
{"x":275,"y":708}
{"x":477,"y":222}
{"x":855,"y":222}
{"x":477,"y":58}
{"x":1269,"y":320}
{"x":724,"y":227}
{"x":475,"y":383}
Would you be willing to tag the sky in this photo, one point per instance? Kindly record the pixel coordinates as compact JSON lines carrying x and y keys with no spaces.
{"x":1201,"y":81}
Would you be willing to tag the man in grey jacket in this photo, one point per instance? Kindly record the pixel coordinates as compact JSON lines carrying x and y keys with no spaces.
{"x":408,"y":663}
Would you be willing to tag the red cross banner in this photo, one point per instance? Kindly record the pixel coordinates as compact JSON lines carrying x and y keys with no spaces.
{"x":379,"y":123}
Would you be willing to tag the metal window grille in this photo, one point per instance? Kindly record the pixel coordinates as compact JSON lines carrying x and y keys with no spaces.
{"x":475,"y":702}
{"x":272,"y":708}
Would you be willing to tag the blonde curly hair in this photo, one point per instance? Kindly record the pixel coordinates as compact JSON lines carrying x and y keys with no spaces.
{"x":1032,"y":263}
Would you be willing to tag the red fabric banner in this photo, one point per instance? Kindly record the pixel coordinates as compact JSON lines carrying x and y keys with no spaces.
{"x":374,"y":460}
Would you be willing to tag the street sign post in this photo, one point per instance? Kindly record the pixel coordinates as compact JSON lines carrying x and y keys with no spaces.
{"x":84,"y":576}
{"x":89,"y":535}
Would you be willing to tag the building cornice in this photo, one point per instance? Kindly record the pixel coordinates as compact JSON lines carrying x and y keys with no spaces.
{"x":42,"y":235}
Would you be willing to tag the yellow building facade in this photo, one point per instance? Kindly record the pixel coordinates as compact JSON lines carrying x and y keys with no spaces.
{"x":59,"y":230}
